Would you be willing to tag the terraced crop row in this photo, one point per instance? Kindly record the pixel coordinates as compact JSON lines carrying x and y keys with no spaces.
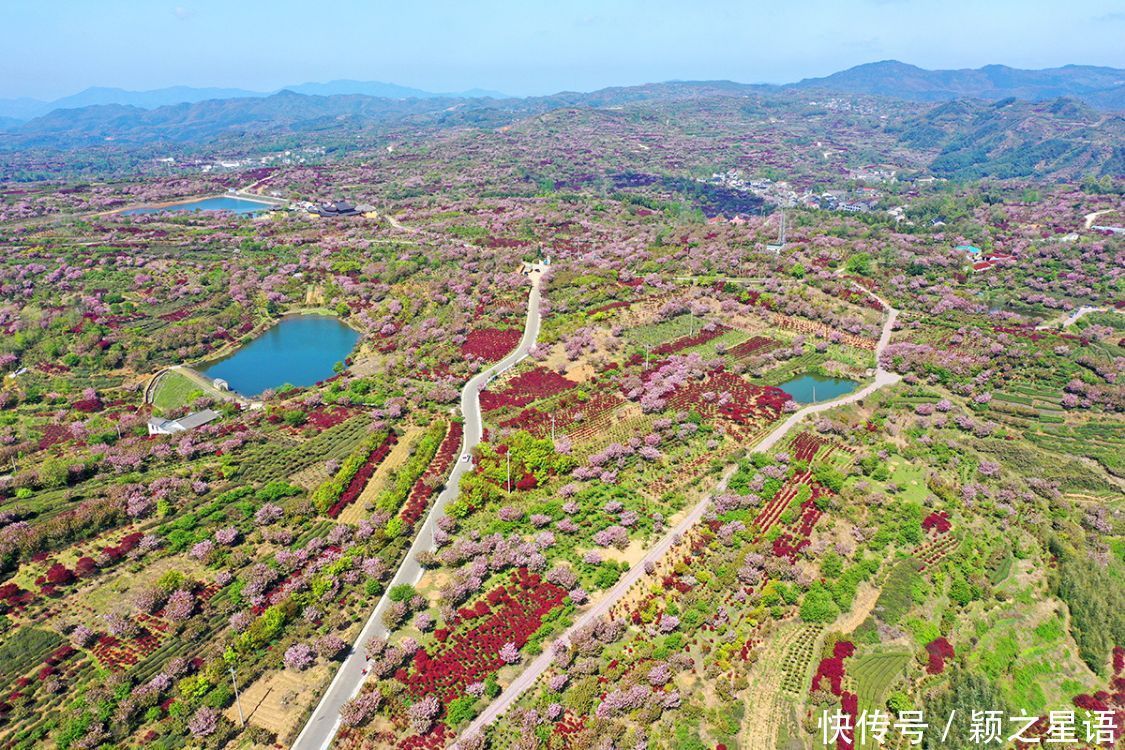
{"x":931,"y":552}
{"x":874,"y":674}
{"x":773,"y":510}
{"x":797,"y":659}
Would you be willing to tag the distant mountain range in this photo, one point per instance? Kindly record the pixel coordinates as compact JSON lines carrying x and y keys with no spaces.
{"x":1103,"y":88}
{"x":996,"y":121}
{"x":196,"y":123}
{"x":14,"y":111}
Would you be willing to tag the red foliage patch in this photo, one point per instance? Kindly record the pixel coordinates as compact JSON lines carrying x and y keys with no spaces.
{"x":85,"y":567}
{"x":525,"y":388}
{"x":939,"y":650}
{"x":832,"y":668}
{"x":570,"y":724}
{"x":123,"y":547}
{"x":686,"y":342}
{"x":511,"y":615}
{"x":491,"y":343}
{"x":177,"y":315}
{"x":88,"y":405}
{"x":610,"y":306}
{"x":849,"y":704}
{"x":772,"y":511}
{"x":59,"y":575}
{"x":939,"y":522}
{"x":53,"y":434}
{"x":434,"y":739}
{"x":116,"y":654}
{"x":15,"y":597}
{"x":427,"y":484}
{"x":577,"y":419}
{"x":726,"y":394}
{"x":1090,"y":703}
{"x":324,"y":418}
{"x":806,"y":445}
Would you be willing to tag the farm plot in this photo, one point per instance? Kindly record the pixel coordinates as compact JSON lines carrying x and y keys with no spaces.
{"x":806,"y":446}
{"x":25,"y":650}
{"x":401,"y":451}
{"x":490,"y":344}
{"x":751,"y":347}
{"x":576,"y":418}
{"x":277,"y":701}
{"x":431,"y":479}
{"x":816,"y":328}
{"x":743,"y":407}
{"x":719,"y":345}
{"x":765,"y":706}
{"x":772,"y":511}
{"x":265,"y":463}
{"x":655,"y":334}
{"x":874,"y":674}
{"x":353,"y":476}
{"x":708,"y":334}
{"x":468,"y":647}
{"x":931,"y":552}
{"x":896,"y":597}
{"x":798,"y":658}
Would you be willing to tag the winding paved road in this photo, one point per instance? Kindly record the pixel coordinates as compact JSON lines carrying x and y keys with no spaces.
{"x":541,"y":662}
{"x":321,"y":726}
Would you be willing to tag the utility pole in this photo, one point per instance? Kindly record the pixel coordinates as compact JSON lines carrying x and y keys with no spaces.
{"x":237,"y":697}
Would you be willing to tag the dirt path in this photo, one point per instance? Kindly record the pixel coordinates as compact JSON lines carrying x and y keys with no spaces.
{"x":1092,"y":217}
{"x":862,"y":608}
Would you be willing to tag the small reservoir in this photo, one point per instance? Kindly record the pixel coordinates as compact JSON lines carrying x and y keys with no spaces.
{"x":809,"y":389}
{"x":300,"y":350}
{"x":218,"y":203}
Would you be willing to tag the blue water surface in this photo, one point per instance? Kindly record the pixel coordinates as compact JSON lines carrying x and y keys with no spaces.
{"x":300,"y":351}
{"x":807,"y":389}
{"x":231,"y":205}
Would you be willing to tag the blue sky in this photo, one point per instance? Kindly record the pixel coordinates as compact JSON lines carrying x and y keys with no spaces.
{"x":50,"y":48}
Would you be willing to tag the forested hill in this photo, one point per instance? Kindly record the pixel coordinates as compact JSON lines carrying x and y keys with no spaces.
{"x":965,"y":138}
{"x":1010,"y":138}
{"x":1098,"y":86}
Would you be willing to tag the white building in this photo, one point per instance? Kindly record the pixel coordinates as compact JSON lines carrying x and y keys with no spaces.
{"x":157,"y":426}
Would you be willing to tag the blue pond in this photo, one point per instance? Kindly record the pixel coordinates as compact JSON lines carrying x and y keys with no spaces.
{"x":300,"y":351}
{"x":808,"y":389}
{"x":222,"y":203}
